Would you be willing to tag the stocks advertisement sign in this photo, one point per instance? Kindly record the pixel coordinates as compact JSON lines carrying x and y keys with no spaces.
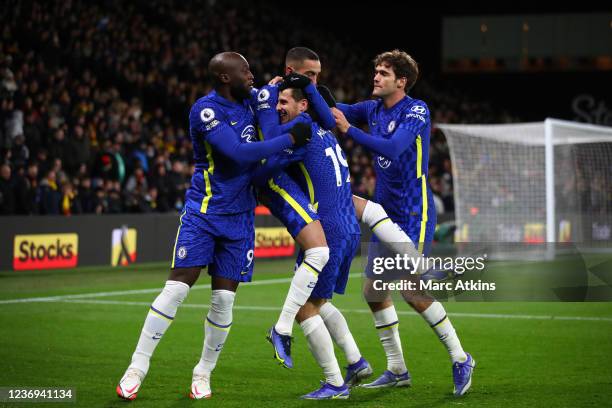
{"x":272,"y":242}
{"x":45,"y":251}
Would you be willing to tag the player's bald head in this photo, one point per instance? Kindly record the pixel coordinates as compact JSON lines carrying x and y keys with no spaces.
{"x":225,"y":63}
{"x":231,"y":75}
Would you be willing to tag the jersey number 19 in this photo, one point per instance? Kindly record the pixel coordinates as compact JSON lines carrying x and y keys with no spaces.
{"x":337,"y":158}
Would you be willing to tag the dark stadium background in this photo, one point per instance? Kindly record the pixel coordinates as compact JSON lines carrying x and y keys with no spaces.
{"x":106,"y":46}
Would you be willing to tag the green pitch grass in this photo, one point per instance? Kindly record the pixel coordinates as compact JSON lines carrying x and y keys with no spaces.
{"x":528,"y":354}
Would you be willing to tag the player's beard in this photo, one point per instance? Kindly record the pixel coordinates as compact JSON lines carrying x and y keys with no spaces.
{"x":240,"y":91}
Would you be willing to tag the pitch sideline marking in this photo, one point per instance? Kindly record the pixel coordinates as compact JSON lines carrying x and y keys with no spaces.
{"x":140,"y":291}
{"x":361,"y":311}
{"x":81,"y":298}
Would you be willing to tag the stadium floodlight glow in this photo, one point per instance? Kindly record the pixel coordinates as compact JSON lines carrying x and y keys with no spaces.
{"x":532,"y":183}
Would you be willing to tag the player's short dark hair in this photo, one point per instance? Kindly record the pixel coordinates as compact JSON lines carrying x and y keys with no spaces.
{"x":297,"y":94}
{"x":402,"y":64}
{"x":300,"y":54}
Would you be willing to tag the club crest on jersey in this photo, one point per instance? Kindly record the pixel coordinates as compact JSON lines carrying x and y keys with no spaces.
{"x":248,"y":134}
{"x":321,"y":132}
{"x":182,"y":252}
{"x":391,"y":126}
{"x":383,"y":162}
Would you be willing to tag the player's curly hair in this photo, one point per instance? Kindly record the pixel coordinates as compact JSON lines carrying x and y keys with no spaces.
{"x":402,"y":64}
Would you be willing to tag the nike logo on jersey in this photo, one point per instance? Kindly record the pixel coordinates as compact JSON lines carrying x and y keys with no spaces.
{"x":233,"y":123}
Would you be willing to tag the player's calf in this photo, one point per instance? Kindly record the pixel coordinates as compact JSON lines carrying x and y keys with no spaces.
{"x":160,"y":316}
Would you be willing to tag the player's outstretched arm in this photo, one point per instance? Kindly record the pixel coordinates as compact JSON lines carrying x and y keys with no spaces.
{"x":264,"y":104}
{"x":301,"y":118}
{"x":356,"y":113}
{"x":226,"y":141}
{"x":390,"y":148}
{"x":403,"y":137}
{"x":272,"y":166}
{"x":320,"y":106}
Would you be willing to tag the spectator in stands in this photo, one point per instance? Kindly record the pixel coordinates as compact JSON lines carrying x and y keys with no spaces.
{"x":49,"y":195}
{"x":7,"y":195}
{"x":96,"y":87}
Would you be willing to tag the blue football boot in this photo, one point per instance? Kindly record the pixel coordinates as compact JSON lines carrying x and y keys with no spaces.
{"x":282,"y":347}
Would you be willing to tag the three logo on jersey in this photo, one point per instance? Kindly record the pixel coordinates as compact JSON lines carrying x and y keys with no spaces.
{"x":248,"y":134}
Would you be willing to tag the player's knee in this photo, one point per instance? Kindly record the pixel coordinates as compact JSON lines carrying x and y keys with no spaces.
{"x":328,"y":310}
{"x":373,"y":213}
{"x":175,"y":291}
{"x":317,"y":257}
{"x":222,"y":301}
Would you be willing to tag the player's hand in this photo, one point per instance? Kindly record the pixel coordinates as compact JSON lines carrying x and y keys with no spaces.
{"x":295,"y":80}
{"x":301,"y":133}
{"x":275,"y":80}
{"x":342,"y":124}
{"x":327,"y":95}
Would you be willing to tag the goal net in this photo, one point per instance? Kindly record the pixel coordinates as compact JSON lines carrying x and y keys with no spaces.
{"x":532,"y":183}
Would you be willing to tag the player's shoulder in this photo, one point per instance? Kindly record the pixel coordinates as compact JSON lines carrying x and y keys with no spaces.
{"x":207,"y":109}
{"x":415,"y":109}
{"x":373,"y":104}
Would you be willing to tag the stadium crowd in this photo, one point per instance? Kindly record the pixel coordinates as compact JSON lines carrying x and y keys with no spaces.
{"x":94,"y":99}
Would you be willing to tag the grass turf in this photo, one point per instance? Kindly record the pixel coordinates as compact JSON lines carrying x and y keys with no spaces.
{"x":86,"y":345}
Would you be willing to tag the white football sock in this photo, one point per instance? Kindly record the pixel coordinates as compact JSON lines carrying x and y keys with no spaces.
{"x":339,"y":331}
{"x":216,"y":329}
{"x":436,"y":316}
{"x":387,"y":326}
{"x":303,"y":282}
{"x":162,"y":312}
{"x":322,"y":349}
{"x":375,"y":216}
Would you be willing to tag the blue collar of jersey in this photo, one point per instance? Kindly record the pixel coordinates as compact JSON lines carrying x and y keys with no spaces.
{"x":218,"y":98}
{"x":399,"y":103}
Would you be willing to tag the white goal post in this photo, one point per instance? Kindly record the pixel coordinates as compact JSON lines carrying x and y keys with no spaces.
{"x":532,"y":183}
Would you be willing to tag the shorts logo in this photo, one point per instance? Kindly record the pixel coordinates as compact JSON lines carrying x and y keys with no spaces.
{"x":182,"y":252}
{"x":263,"y":95}
{"x":391,"y":126}
{"x":248,"y":134}
{"x":418,"y":109}
{"x":207,"y":115}
{"x":383,"y":162}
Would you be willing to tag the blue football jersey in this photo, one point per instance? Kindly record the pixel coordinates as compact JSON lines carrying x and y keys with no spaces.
{"x":324,"y":175}
{"x":401,"y":184}
{"x":219,"y":185}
